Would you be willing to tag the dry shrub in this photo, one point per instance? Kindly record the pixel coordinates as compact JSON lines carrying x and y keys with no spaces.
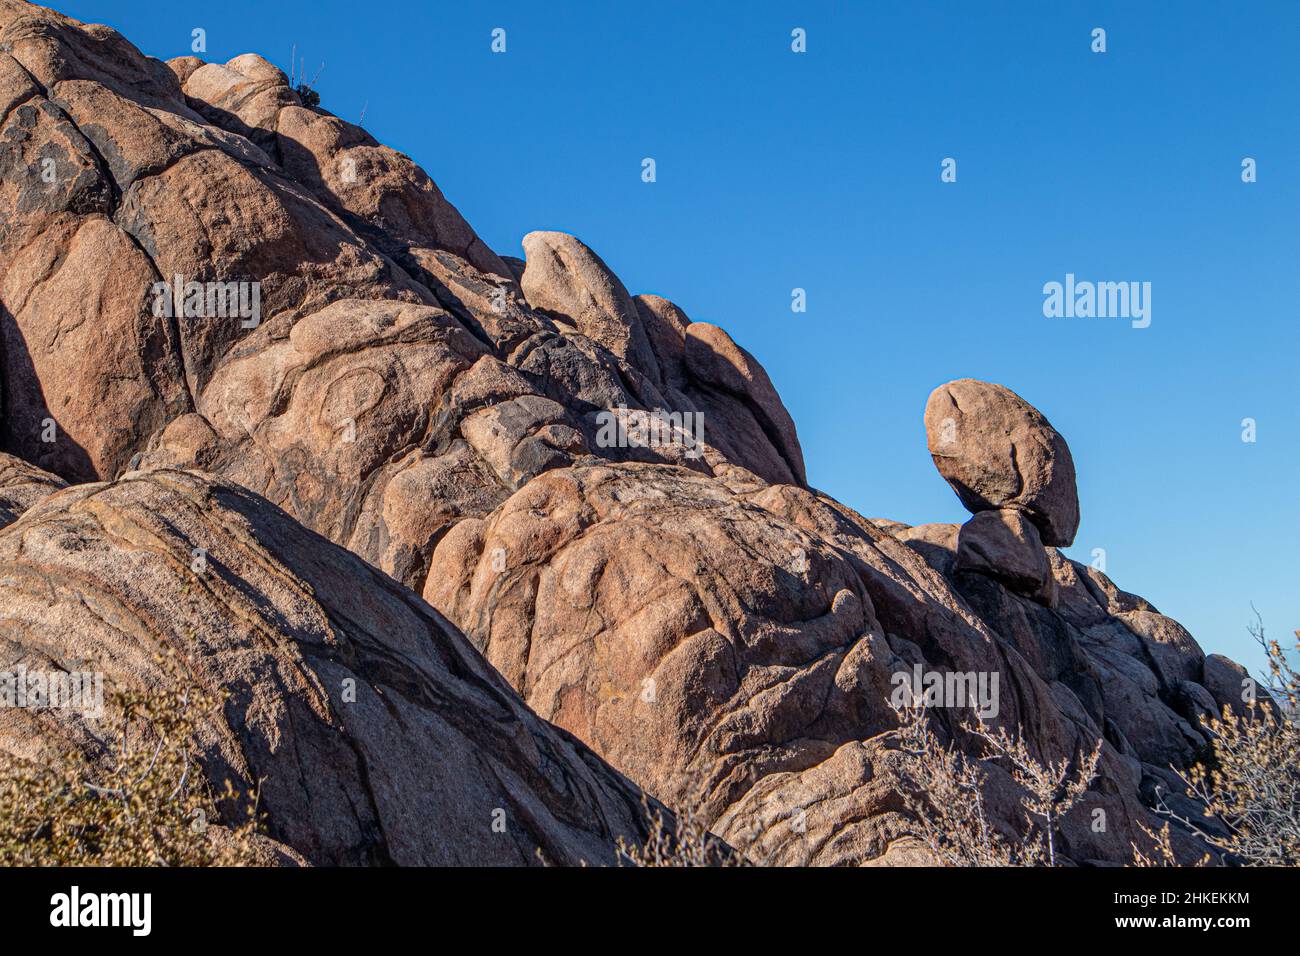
{"x":945,"y":794}
{"x":686,"y":842}
{"x":144,"y":804}
{"x":1161,"y":852}
{"x":1250,"y":782}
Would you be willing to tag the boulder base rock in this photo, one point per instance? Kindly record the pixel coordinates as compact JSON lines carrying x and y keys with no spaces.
{"x":1004,"y":545}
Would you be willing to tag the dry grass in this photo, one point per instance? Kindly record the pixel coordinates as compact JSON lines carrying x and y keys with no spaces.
{"x":686,"y":842}
{"x":946,"y":790}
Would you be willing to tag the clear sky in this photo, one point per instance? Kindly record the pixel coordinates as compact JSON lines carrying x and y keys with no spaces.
{"x":821,"y":171}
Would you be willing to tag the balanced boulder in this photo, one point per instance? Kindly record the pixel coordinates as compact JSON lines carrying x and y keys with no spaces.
{"x":997,"y":450}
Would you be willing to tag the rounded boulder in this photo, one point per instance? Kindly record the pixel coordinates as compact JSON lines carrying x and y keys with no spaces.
{"x":998,"y":451}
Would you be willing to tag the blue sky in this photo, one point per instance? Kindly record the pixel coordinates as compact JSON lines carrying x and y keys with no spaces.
{"x":821,"y":171}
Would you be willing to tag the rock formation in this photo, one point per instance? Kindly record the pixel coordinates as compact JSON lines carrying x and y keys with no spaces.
{"x":377,"y":733}
{"x":520,"y":445}
{"x":21,"y":486}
